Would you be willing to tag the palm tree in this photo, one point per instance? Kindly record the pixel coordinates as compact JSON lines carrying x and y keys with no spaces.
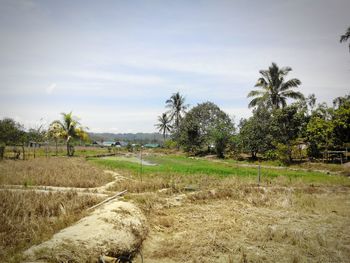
{"x":177,"y":106}
{"x":275,"y":90}
{"x":345,"y":37}
{"x":164,"y":124}
{"x":68,"y":129}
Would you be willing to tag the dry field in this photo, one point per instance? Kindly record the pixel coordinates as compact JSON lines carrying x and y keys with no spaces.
{"x":27,"y":218}
{"x":193,"y":213}
{"x":53,"y":171}
{"x":240,"y":222}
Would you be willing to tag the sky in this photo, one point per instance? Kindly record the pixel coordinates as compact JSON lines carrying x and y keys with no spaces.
{"x":115,"y":63}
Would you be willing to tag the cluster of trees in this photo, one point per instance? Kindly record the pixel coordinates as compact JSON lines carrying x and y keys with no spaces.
{"x":204,"y":128}
{"x":276,"y":129}
{"x":68,"y":129}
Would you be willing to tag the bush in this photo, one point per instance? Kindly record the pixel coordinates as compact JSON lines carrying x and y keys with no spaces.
{"x":271,"y":155}
{"x":170,"y":144}
{"x":283,"y":153}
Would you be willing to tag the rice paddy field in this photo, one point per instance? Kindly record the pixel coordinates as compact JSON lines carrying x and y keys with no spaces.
{"x":197,"y":209}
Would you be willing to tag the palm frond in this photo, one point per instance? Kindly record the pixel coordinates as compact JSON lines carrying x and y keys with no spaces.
{"x":292,"y":94}
{"x":346,"y":36}
{"x":292,"y":83}
{"x":255,"y":93}
{"x":261,"y":83}
{"x":255,"y":102}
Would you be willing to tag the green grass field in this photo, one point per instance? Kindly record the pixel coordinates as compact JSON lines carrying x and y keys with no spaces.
{"x":182,"y":165}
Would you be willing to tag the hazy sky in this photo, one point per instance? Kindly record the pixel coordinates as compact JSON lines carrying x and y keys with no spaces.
{"x":114,"y":63}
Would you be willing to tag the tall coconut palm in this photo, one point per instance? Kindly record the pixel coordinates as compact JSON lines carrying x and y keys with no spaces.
{"x":69,"y":128}
{"x":164,"y":125}
{"x":177,"y":106}
{"x":345,"y":37}
{"x":274,"y":89}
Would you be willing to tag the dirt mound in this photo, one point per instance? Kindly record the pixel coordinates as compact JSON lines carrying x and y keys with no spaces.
{"x":117,"y":228}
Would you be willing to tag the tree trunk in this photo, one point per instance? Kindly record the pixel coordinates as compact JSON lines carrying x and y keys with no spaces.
{"x":2,"y":152}
{"x":290,"y":153}
{"x":253,"y":155}
{"x":24,"y":155}
{"x":56,"y":146}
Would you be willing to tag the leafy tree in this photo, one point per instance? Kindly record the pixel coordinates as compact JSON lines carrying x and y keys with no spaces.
{"x":69,"y":129}
{"x":319,"y":134}
{"x":204,"y":126}
{"x":177,"y":107}
{"x":286,"y":126}
{"x":55,"y":132}
{"x":340,"y":101}
{"x":255,"y":135}
{"x":341,"y":122}
{"x":345,"y":37}
{"x":164,"y":125}
{"x":274,"y":89}
{"x":11,"y":132}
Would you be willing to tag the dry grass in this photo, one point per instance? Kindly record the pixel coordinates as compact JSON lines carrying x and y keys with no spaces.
{"x":73,"y":172}
{"x":233,"y":220}
{"x":29,"y":217}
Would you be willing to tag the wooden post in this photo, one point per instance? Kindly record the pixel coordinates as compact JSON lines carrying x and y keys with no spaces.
{"x":346,"y":154}
{"x":141,"y":162}
{"x":47,"y":149}
{"x":259,"y":174}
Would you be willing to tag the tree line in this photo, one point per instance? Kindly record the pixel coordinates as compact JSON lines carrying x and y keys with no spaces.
{"x":67,"y":129}
{"x":284,"y":122}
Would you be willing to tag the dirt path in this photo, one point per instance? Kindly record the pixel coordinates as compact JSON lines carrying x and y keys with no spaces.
{"x":99,"y":191}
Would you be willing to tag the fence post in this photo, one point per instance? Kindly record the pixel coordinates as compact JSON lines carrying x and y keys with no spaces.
{"x":141,"y":162}
{"x":259,"y":174}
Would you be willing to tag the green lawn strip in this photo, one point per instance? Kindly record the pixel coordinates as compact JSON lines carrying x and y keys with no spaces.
{"x":175,"y":164}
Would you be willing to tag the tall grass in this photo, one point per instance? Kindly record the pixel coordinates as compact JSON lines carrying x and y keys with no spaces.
{"x":27,"y":218}
{"x":72,"y":172}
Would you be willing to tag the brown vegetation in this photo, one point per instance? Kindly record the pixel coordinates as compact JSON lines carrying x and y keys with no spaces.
{"x":232,"y":220}
{"x":73,"y":172}
{"x":29,"y":217}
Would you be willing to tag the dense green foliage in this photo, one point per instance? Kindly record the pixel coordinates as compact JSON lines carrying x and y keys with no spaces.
{"x":11,"y":132}
{"x":206,"y":126}
{"x":255,"y":136}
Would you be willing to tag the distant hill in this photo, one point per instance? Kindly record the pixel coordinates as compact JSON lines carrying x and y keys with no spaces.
{"x":127,"y":137}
